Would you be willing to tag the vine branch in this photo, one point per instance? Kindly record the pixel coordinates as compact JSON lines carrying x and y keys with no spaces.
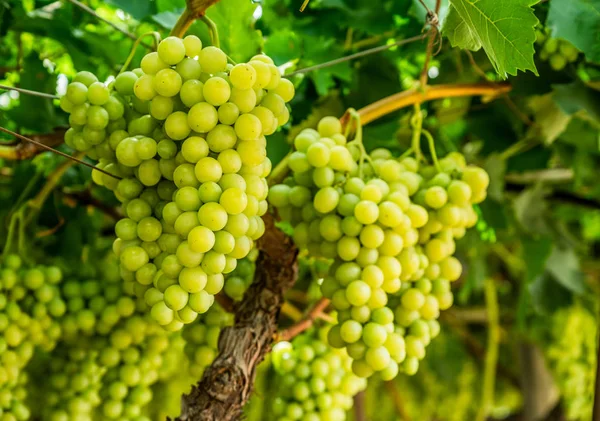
{"x":56,"y":151}
{"x":228,"y":382}
{"x":392,"y":389}
{"x":195,"y":9}
{"x":491,"y":356}
{"x":414,"y":96}
{"x":315,"y":312}
{"x":26,"y":150}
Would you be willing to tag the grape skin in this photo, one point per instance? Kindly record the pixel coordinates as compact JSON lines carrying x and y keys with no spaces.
{"x":388,"y":226}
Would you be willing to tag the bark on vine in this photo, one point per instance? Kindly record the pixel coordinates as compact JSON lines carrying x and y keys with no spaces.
{"x":228,"y":383}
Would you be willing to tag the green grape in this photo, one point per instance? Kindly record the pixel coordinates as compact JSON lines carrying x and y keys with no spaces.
{"x":171,"y":50}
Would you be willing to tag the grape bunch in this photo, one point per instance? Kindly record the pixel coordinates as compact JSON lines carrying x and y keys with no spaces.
{"x":94,"y":114}
{"x":27,"y":322}
{"x":571,"y":355}
{"x":133,"y":359}
{"x":94,"y":306}
{"x":191,"y":152}
{"x":389,"y":225}
{"x":202,"y":339}
{"x":556,"y":51}
{"x":74,"y":381}
{"x":314,"y":381}
{"x":239,"y":280}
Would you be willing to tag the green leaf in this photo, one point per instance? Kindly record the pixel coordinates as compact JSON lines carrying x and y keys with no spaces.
{"x":283,"y":46}
{"x":235,"y":21}
{"x":138,"y":9}
{"x":535,"y":253}
{"x":577,"y":21}
{"x":576,"y":96}
{"x":34,"y":112}
{"x":495,"y":166}
{"x":503,"y":28}
{"x":167,"y":19}
{"x":459,"y":33}
{"x":277,"y":147}
{"x":319,"y":50}
{"x":563,"y":264}
{"x":547,"y":295}
{"x":531,"y":210}
{"x":550,"y":118}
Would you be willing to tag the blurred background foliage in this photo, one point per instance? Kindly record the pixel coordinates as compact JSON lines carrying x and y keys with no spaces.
{"x":539,"y":236}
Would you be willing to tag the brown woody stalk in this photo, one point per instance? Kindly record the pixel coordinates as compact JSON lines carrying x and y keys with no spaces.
{"x":414,"y":96}
{"x":228,"y":383}
{"x":305,"y":323}
{"x":26,"y":150}
{"x":195,"y":9}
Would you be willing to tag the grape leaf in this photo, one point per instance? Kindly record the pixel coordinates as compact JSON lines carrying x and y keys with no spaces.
{"x":550,"y":118}
{"x":503,"y":28}
{"x":576,"y":96}
{"x":564,"y":266}
{"x":283,"y":46}
{"x":577,"y":21}
{"x":320,"y":50}
{"x":36,"y":78}
{"x":235,"y":21}
{"x":139,"y":9}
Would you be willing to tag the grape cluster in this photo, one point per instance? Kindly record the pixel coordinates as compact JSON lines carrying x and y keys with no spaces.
{"x":390,"y":227}
{"x":190,"y":147}
{"x":238,"y":281}
{"x":572,"y":358}
{"x":133,"y":359}
{"x":94,"y":114}
{"x":202,"y":339}
{"x":315,"y":382}
{"x":556,"y":51}
{"x":73,"y":385}
{"x":93,"y":306}
{"x":97,"y":348}
{"x":27,"y":322}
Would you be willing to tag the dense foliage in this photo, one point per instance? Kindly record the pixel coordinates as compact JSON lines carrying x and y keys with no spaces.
{"x":456,"y":234}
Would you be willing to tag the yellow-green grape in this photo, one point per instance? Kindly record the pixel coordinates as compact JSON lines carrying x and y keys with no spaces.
{"x":314,"y":381}
{"x":390,"y":227}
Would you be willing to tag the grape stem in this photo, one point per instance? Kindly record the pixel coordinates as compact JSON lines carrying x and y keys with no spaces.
{"x":12,"y":226}
{"x":156,"y":37}
{"x":491,"y":355}
{"x":358,"y":139}
{"x":213,"y":30}
{"x":48,"y":148}
{"x":416,"y":122}
{"x":304,"y":4}
{"x":291,"y":311}
{"x":431,"y":143}
{"x":306,"y":323}
{"x":392,"y":389}
{"x":280,"y":171}
{"x":195,"y":9}
{"x":118,"y":28}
